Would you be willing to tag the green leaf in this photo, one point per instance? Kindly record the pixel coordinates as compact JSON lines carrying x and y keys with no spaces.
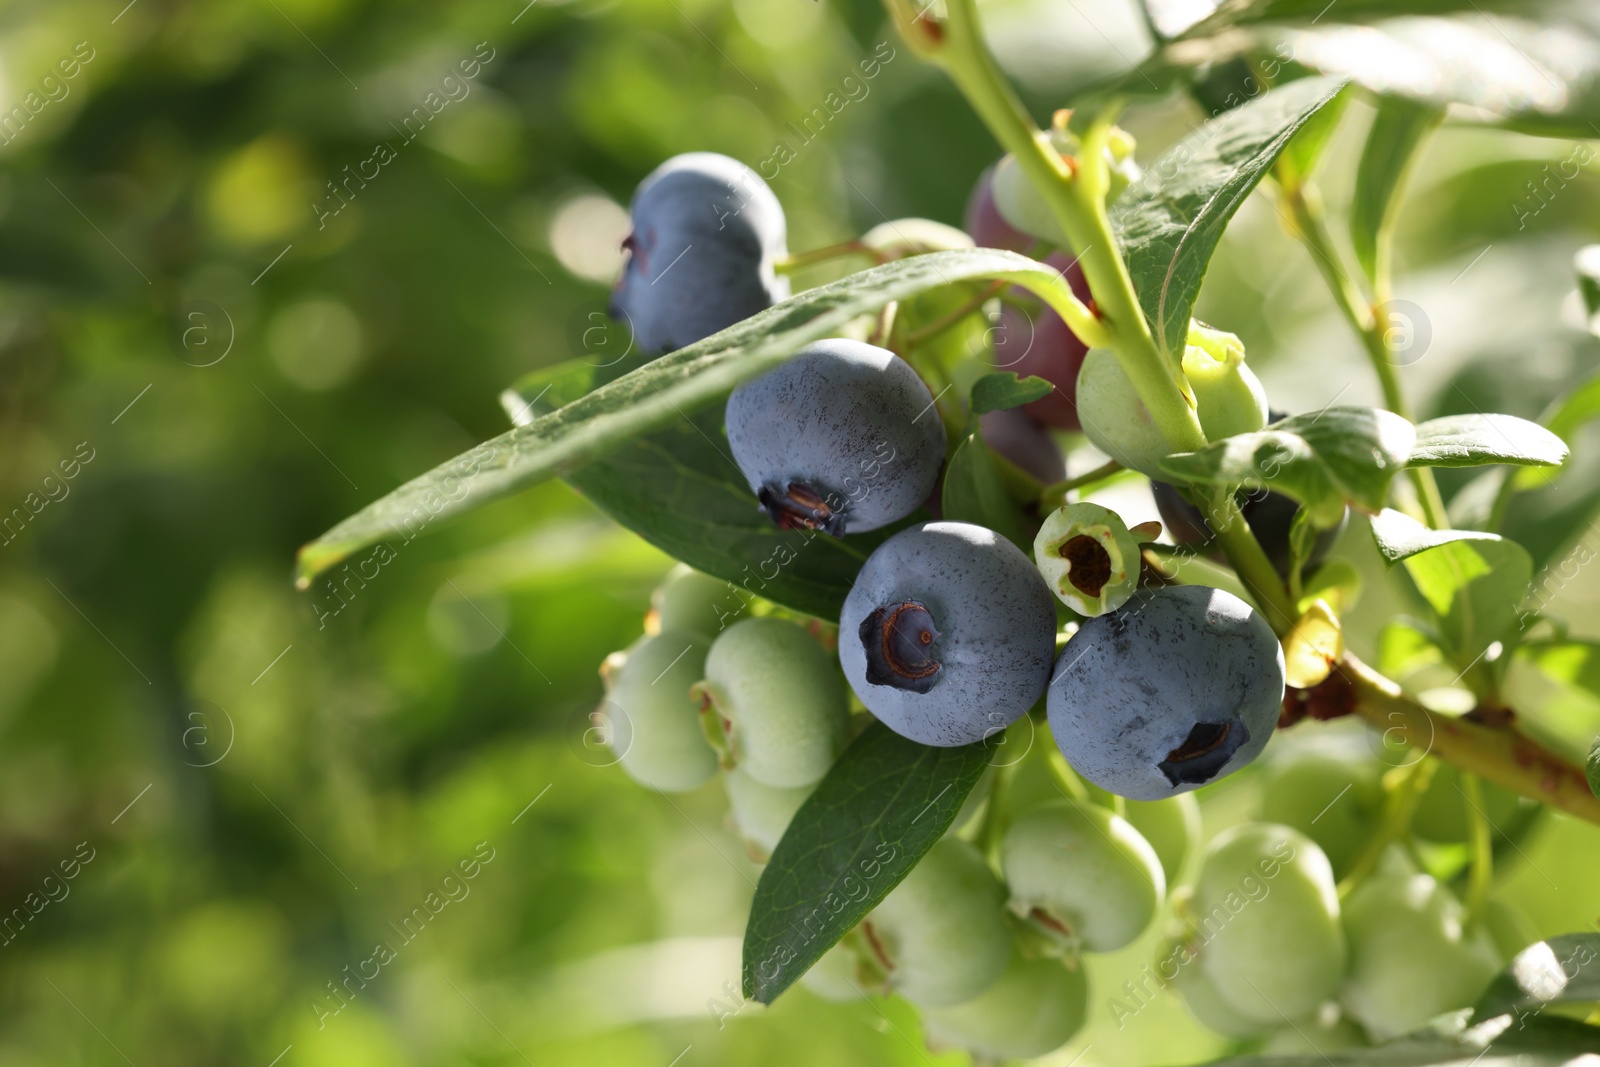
{"x":1587,"y":265}
{"x":1566,"y":417}
{"x":973,"y":493}
{"x":1399,"y":536}
{"x":1405,"y":646}
{"x":1575,"y":664}
{"x":1591,"y":767}
{"x":680,"y":490}
{"x":1397,"y":132}
{"x":1538,"y":78}
{"x":1322,"y":460}
{"x":874,"y":815}
{"x":1563,"y":969}
{"x":1003,"y":389}
{"x":1299,"y":162}
{"x":1475,"y":582}
{"x":1170,"y":221}
{"x":653,"y":397}
{"x":1474,"y":440}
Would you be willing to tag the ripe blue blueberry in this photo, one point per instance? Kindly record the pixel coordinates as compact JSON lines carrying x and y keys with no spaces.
{"x":844,"y":437}
{"x":1178,"y":687}
{"x":706,"y":234}
{"x":948,"y":633}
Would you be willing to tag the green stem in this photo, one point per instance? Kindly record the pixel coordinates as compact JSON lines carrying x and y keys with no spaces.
{"x":821,"y":255}
{"x":1397,"y":815}
{"x":1481,"y":845}
{"x":944,"y":322}
{"x":1053,"y":496}
{"x":1305,"y":203}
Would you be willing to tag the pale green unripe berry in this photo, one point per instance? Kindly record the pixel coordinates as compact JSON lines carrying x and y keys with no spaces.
{"x":1315,"y":1037}
{"x":941,"y":934}
{"x":693,"y":602}
{"x":653,"y":722}
{"x":1172,"y":826}
{"x":900,"y":238}
{"x":1229,"y":398}
{"x":1082,"y":874}
{"x":1089,"y":558}
{"x":761,"y":813}
{"x":1442,"y":813}
{"x":1035,"y":1008}
{"x":1333,"y":799}
{"x":1266,"y":919}
{"x":779,"y":702}
{"x":1210,"y":1008}
{"x":1410,"y":956}
{"x":1114,"y":418}
{"x":835,"y":976}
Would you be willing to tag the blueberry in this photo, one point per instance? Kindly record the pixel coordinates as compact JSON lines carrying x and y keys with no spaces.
{"x":1038,"y":343}
{"x":940,"y":936}
{"x":1082,"y":875}
{"x":1209,"y":1007}
{"x":1114,"y":418}
{"x":1325,"y":1033}
{"x":1172,"y":826}
{"x":690,"y":601}
{"x":1266,"y":924}
{"x":654,"y":726}
{"x":1411,"y":955}
{"x":1088,"y":557}
{"x":1332,"y":798}
{"x":948,"y":633}
{"x":1015,"y":437}
{"x":844,"y":437}
{"x":761,"y":813}
{"x":986,"y":225}
{"x":836,"y":976}
{"x":1035,"y":1008}
{"x":1178,"y":687}
{"x":779,"y":709}
{"x":706,"y":234}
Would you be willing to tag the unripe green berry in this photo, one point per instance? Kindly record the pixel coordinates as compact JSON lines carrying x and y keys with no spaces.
{"x":1229,"y":398}
{"x":1315,"y":1037}
{"x":1333,"y":799}
{"x":654,"y":724}
{"x":761,"y":813}
{"x":1210,"y":1008}
{"x":1114,"y":418}
{"x":693,"y":602}
{"x":779,"y":703}
{"x":1082,"y":874}
{"x":836,"y":975}
{"x":940,"y":935}
{"x":1035,"y":1008}
{"x":1410,"y":956}
{"x":1266,"y":918}
{"x":1172,"y":826}
{"x":1088,"y":557}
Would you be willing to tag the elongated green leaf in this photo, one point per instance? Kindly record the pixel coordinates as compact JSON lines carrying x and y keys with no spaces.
{"x":1300,"y":160}
{"x":1170,"y":221}
{"x":1399,"y":536}
{"x":973,"y":493}
{"x":1538,"y":78}
{"x":1567,"y":417}
{"x":653,"y":397}
{"x":1575,"y":664}
{"x":1541,"y":1041}
{"x":1474,"y":440}
{"x":1322,"y":460}
{"x":1003,"y":389}
{"x":1406,"y":645}
{"x":1587,"y":265}
{"x":1591,"y":767}
{"x":1398,"y":130}
{"x":876,"y":813}
{"x":1562,"y":969}
{"x":1475,"y":588}
{"x":680,"y":490}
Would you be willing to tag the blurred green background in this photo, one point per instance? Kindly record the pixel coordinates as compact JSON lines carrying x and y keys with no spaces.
{"x":268,"y":782}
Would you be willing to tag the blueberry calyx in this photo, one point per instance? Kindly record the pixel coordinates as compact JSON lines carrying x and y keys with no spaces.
{"x":1089,"y":564}
{"x":1209,"y":746}
{"x":898,"y":641}
{"x":798,"y":506}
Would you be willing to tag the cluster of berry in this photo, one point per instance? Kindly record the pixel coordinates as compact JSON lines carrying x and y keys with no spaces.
{"x":950,"y":635}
